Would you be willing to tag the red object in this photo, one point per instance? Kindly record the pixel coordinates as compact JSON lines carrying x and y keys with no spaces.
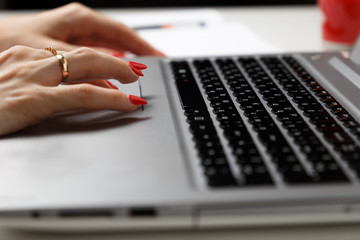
{"x":137,"y":71}
{"x":342,"y":20}
{"x":137,"y":100}
{"x":118,"y":54}
{"x":111,"y":85}
{"x":138,"y":65}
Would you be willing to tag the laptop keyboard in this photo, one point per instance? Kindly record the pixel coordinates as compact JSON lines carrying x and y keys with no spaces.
{"x":305,"y":136}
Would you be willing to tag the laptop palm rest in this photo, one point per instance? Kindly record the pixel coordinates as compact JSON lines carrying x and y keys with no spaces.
{"x":101,"y":158}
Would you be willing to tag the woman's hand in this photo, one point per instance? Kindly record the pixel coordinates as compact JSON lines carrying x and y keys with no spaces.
{"x":68,"y":27}
{"x":29,"y":80}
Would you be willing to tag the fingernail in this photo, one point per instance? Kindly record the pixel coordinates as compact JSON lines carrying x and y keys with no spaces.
{"x":117,"y":54}
{"x":137,"y":71}
{"x":137,"y":65}
{"x":111,"y":85}
{"x":137,"y":100}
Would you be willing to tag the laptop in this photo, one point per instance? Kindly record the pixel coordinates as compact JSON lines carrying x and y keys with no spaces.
{"x":226,"y":141}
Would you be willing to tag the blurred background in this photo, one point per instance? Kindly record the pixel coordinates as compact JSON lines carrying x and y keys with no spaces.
{"x":44,"y":4}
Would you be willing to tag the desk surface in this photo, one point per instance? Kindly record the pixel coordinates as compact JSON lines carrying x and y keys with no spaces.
{"x":290,"y":29}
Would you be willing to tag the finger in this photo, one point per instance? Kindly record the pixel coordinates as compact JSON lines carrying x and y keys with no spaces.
{"x":70,"y":46}
{"x":104,"y":84}
{"x":84,"y":26}
{"x":88,"y":64}
{"x":19,"y":55}
{"x":58,"y":45}
{"x":97,"y":43}
{"x":126,"y":38}
{"x":42,"y":66}
{"x":112,"y":34}
{"x":111,"y":85}
{"x":86,"y":96}
{"x":99,"y":83}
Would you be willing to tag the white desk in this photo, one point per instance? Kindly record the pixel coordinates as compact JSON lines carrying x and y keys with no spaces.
{"x":291,"y":29}
{"x":288,"y":28}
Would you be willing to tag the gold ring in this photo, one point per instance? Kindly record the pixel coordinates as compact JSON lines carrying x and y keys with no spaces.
{"x":63,"y":62}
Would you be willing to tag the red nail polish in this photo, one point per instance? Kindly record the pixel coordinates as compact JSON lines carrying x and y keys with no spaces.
{"x":137,"y":71}
{"x":137,"y":100}
{"x":117,"y":54}
{"x":111,"y":85}
{"x":137,"y":65}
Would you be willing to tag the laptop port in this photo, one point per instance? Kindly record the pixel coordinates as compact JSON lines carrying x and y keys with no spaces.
{"x":142,"y":212}
{"x":85,"y":213}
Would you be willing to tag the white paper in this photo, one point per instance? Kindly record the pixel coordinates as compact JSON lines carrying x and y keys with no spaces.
{"x":210,"y":17}
{"x":224,"y":39}
{"x":216,"y":38}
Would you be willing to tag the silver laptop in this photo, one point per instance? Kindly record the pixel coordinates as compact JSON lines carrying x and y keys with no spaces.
{"x":225,"y":141}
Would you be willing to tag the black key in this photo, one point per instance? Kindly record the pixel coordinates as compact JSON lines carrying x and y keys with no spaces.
{"x":255,"y":174}
{"x":329,"y":172}
{"x":202,"y":128}
{"x":285,"y":159}
{"x":294,"y":173}
{"x":188,"y":90}
{"x":320,"y":157}
{"x":338,"y":137}
{"x":219,"y":176}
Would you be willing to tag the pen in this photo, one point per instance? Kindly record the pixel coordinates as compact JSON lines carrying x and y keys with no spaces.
{"x":168,"y":26}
